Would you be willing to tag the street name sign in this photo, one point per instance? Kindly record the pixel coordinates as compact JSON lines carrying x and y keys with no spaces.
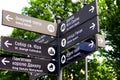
{"x":27,"y":64}
{"x":87,"y":12}
{"x":28,"y":23}
{"x":80,"y":51}
{"x":27,"y":47}
{"x":80,"y":33}
{"x":44,"y":39}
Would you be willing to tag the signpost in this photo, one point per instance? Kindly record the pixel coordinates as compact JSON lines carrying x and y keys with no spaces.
{"x":78,"y":28}
{"x":28,"y":47}
{"x":86,"y":13}
{"x":27,"y":65}
{"x":80,"y":33}
{"x":28,"y":23}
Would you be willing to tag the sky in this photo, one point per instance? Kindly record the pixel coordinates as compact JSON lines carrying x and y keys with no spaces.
{"x":13,"y":6}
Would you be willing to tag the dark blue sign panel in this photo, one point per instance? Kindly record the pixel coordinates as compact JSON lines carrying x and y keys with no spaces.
{"x":80,"y":51}
{"x":80,"y":33}
{"x":86,"y":13}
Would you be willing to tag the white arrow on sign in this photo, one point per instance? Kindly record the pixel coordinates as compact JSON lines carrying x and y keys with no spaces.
{"x":7,"y":44}
{"x":4,"y":61}
{"x":8,"y":17}
{"x":100,"y":40}
{"x":93,"y":26}
{"x":91,"y":44}
{"x":92,"y":9}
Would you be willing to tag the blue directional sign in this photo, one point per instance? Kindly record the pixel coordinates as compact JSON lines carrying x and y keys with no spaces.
{"x":80,"y":51}
{"x":86,"y":13}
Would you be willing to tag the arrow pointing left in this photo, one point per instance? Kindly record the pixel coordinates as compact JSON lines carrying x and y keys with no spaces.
{"x":7,"y":44}
{"x":4,"y":61}
{"x":8,"y":17}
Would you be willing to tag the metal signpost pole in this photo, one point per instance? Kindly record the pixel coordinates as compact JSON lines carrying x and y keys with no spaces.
{"x":58,"y":20}
{"x":86,"y":63}
{"x":86,"y":68}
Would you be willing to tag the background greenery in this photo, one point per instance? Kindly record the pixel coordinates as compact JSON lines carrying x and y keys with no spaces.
{"x":103,"y":66}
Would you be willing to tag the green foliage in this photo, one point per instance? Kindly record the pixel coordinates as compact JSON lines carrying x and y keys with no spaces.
{"x":11,"y":75}
{"x":110,"y":23}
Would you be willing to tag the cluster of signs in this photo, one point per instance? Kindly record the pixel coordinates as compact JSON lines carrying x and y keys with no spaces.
{"x":77,"y":32}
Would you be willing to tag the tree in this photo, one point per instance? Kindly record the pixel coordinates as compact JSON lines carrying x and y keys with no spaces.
{"x":110,"y":24}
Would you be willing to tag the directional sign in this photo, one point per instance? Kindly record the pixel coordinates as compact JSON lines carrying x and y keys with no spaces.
{"x":100,"y":40}
{"x":80,"y":33}
{"x":27,"y":65}
{"x":28,"y":23}
{"x":80,"y":51}
{"x":87,"y":12}
{"x":45,"y":39}
{"x":27,"y":47}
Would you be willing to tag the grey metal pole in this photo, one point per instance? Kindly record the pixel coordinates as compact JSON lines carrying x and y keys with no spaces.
{"x":58,"y":20}
{"x":86,"y":68}
{"x":86,"y":63}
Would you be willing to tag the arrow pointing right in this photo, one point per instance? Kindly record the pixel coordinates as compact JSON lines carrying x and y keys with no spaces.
{"x":92,"y":9}
{"x":7,"y":44}
{"x":4,"y":61}
{"x":93,"y":26}
{"x":100,"y":40}
{"x":91,"y":44}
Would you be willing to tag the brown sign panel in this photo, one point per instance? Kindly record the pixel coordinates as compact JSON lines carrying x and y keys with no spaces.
{"x":27,"y":47}
{"x":28,"y":23}
{"x":27,"y":64}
